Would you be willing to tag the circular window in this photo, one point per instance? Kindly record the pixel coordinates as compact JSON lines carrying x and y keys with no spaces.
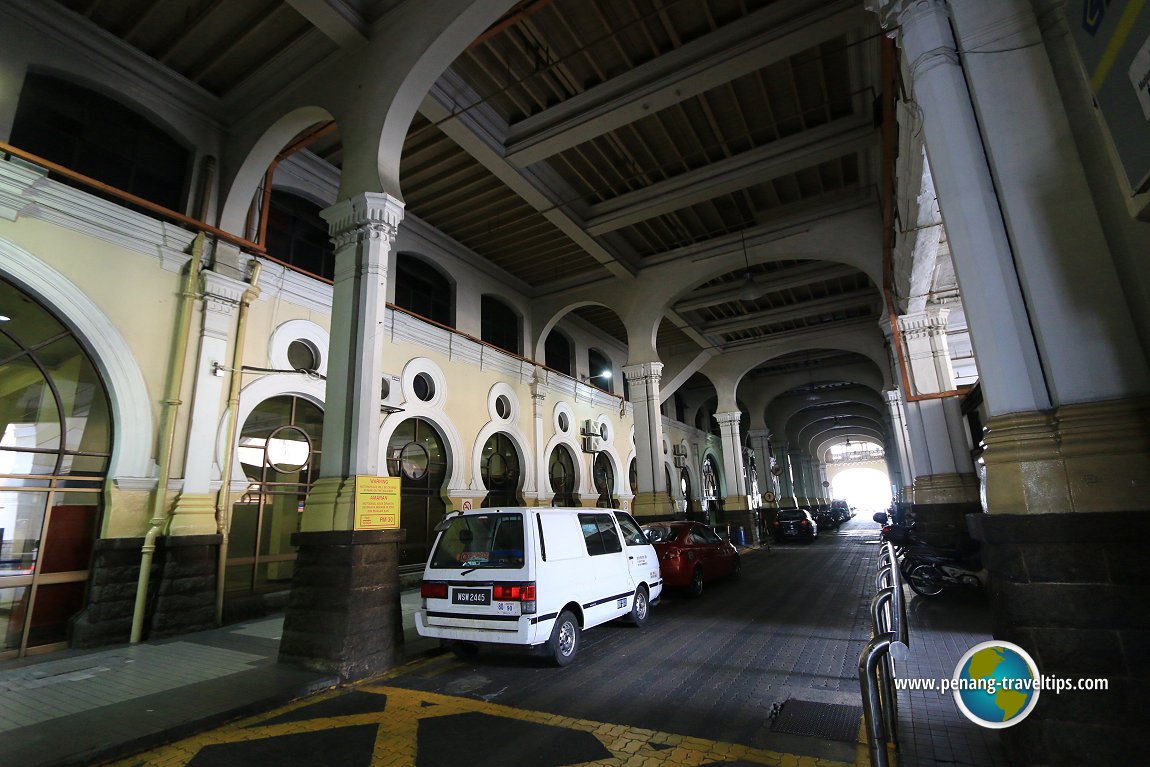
{"x":385,"y":388}
{"x":503,"y":407}
{"x":288,"y":449}
{"x":564,"y":423}
{"x":423,"y":387}
{"x":603,"y":433}
{"x":302,"y":356}
{"x":413,"y":460}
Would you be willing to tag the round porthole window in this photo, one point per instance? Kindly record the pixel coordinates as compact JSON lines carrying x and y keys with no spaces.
{"x":603,"y":433}
{"x":564,"y":423}
{"x":413,"y":460}
{"x":302,"y":356}
{"x":423,"y":387}
{"x":288,"y":449}
{"x":503,"y":407}
{"x":385,"y":388}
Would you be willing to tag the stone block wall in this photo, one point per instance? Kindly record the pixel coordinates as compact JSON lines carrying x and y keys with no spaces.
{"x":1071,"y":589}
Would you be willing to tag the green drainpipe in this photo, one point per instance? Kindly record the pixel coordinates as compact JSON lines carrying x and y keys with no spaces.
{"x":171,"y":402}
{"x":223,"y":506}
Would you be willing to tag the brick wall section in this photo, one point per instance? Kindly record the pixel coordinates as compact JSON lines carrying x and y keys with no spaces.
{"x":1071,"y":589}
{"x":185,"y":596}
{"x":343,"y":614}
{"x":181,"y":590}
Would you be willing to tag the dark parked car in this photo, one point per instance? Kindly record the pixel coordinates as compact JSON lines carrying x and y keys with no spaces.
{"x":795,"y":525}
{"x":841,"y":512}
{"x":691,"y":554}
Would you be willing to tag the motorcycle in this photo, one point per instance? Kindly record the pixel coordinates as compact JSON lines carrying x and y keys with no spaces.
{"x":930,"y":571}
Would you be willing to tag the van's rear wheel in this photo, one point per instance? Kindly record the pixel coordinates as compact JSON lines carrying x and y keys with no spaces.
{"x":640,"y":607}
{"x":564,"y":641}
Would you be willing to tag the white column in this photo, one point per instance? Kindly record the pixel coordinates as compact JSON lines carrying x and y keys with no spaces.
{"x":643,"y":388}
{"x":362,"y":229}
{"x":194,"y":512}
{"x":1083,"y":328}
{"x":1012,"y":376}
{"x":899,"y":439}
{"x":542,"y":476}
{"x":732,"y":455}
{"x":760,"y":443}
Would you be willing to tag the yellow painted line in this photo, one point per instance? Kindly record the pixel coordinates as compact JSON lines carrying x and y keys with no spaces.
{"x":1125,"y":25}
{"x":398,"y":729}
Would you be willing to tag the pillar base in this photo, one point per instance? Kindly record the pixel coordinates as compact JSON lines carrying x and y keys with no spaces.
{"x":330,"y":505}
{"x":186,"y":590}
{"x":652,"y":506}
{"x":1070,"y":590}
{"x":941,"y":503}
{"x":343,"y":616}
{"x":745,"y":519}
{"x":1091,"y":457}
{"x":194,"y":514}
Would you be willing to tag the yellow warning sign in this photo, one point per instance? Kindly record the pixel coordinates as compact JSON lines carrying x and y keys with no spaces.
{"x":376,"y":503}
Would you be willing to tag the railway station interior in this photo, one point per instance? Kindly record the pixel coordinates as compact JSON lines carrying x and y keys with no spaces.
{"x":685,"y":258}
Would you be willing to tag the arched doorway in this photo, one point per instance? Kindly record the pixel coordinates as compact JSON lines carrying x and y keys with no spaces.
{"x":604,"y":475}
{"x":55,"y":444}
{"x":279,"y":453}
{"x":500,"y":470}
{"x":416,"y":455}
{"x":561,"y":470}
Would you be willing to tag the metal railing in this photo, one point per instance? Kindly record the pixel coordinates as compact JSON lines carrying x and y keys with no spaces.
{"x":890,"y":641}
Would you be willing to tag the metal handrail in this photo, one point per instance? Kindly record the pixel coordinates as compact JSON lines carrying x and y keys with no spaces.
{"x":890,"y":641}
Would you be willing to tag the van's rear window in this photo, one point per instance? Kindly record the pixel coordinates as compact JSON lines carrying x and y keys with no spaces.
{"x":480,"y":540}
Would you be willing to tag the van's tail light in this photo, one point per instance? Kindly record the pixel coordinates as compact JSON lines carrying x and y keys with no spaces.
{"x":433,"y":590}
{"x":670,"y":552}
{"x":523,"y":593}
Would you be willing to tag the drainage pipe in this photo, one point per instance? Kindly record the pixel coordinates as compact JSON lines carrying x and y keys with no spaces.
{"x":223,"y":496}
{"x":171,"y":402}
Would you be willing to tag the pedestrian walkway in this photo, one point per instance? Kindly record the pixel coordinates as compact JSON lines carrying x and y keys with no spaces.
{"x":220,"y":698}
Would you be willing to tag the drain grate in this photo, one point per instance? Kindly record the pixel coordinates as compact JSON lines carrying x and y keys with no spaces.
{"x":830,"y":721}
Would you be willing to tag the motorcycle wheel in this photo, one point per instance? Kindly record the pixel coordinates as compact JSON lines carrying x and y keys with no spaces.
{"x":925,"y":580}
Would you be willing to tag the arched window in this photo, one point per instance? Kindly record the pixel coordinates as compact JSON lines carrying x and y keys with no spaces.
{"x":92,"y":134}
{"x":421,"y":289}
{"x":416,"y":454}
{"x":297,"y":235}
{"x":55,"y":444}
{"x":557,"y":353}
{"x":500,"y":325}
{"x":599,"y":367}
{"x":279,"y":452}
{"x":605,"y":481}
{"x":685,"y":486}
{"x":561,"y":470}
{"x":499,"y":467}
{"x":633,"y":477}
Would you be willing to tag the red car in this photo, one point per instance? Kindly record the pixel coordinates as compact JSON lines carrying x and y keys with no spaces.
{"x":691,"y":554}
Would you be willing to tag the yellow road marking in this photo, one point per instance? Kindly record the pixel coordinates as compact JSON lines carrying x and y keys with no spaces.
{"x":398,"y":726}
{"x":1121,"y":32}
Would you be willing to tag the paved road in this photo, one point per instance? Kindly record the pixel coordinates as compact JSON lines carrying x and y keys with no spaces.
{"x":710,"y":667}
{"x":696,"y":686}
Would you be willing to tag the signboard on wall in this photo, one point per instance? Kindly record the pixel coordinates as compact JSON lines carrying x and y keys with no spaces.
{"x":1113,"y":40}
{"x":377,"y":503}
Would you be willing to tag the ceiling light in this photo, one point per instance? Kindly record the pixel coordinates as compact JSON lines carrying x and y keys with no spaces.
{"x":4,"y":318}
{"x":750,"y":289}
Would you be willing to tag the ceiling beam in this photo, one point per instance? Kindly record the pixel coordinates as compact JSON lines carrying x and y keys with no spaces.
{"x":475,"y":136}
{"x":341,"y":23}
{"x":792,"y":312}
{"x":765,"y":37}
{"x":784,"y":279}
{"x":779,"y":158}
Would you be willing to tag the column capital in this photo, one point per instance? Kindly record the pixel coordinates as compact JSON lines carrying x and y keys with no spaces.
{"x":891,"y":12}
{"x":928,"y":323}
{"x":643,"y":370}
{"x":369,"y":216}
{"x":729,"y":418}
{"x":893,"y":396}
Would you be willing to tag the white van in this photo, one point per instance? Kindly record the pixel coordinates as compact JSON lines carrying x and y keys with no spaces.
{"x":535,"y":576}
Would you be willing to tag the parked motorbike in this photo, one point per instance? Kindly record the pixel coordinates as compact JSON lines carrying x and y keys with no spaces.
{"x":931,"y":571}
